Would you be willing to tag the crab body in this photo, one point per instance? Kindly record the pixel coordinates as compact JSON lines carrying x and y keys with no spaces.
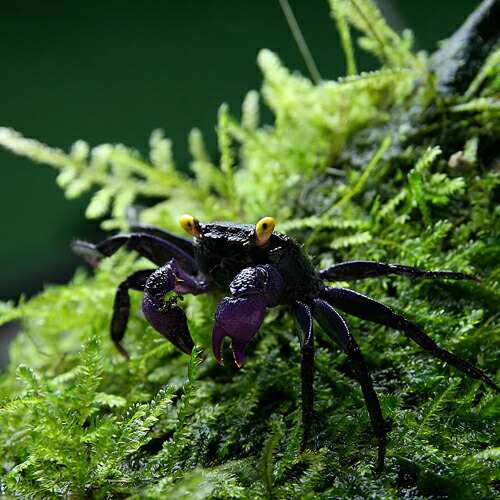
{"x":227,"y":248}
{"x":258,"y":269}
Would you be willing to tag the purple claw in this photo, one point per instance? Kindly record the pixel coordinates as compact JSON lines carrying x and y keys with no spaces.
{"x":170,"y":321}
{"x":239,"y":319}
{"x":162,"y":312}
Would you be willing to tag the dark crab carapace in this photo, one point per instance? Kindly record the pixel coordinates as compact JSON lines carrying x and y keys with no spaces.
{"x":260,"y":268}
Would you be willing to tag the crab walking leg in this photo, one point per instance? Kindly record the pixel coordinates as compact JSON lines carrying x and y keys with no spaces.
{"x":360,"y":269}
{"x":151,"y":247}
{"x":364,"y":307}
{"x":240,"y":316}
{"x":183,"y":243}
{"x":306,"y":334}
{"x":164,"y":315}
{"x":335,"y":326}
{"x":121,"y":306}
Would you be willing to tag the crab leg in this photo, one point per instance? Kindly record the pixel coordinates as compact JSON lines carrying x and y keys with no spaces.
{"x":334,"y":325}
{"x":183,"y":243}
{"x":240,"y":316}
{"x":157,"y":250}
{"x":306,"y":334}
{"x":366,"y":308}
{"x":121,"y":306}
{"x":360,"y":269}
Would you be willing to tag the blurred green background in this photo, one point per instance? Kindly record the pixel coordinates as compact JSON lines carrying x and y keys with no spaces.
{"x":113,"y":71}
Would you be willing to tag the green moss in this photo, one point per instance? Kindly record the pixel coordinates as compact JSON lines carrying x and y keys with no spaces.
{"x":369,"y":166}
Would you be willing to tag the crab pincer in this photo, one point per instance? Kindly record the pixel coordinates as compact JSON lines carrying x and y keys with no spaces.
{"x":239,"y":317}
{"x":162,"y":311}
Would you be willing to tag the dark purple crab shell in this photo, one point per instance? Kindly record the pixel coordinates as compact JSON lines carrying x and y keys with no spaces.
{"x":226,"y":248}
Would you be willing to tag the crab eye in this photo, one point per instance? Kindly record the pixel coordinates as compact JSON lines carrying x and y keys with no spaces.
{"x":190,"y":225}
{"x":263,"y":230}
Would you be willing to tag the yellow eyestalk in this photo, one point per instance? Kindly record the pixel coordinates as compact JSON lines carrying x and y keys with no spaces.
{"x":263,"y":230}
{"x":191,"y":225}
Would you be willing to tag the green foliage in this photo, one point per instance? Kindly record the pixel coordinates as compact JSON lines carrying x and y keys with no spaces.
{"x":354,"y":168}
{"x":378,"y":37}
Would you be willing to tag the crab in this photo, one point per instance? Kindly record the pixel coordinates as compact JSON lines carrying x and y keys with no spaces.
{"x":258,"y":269}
